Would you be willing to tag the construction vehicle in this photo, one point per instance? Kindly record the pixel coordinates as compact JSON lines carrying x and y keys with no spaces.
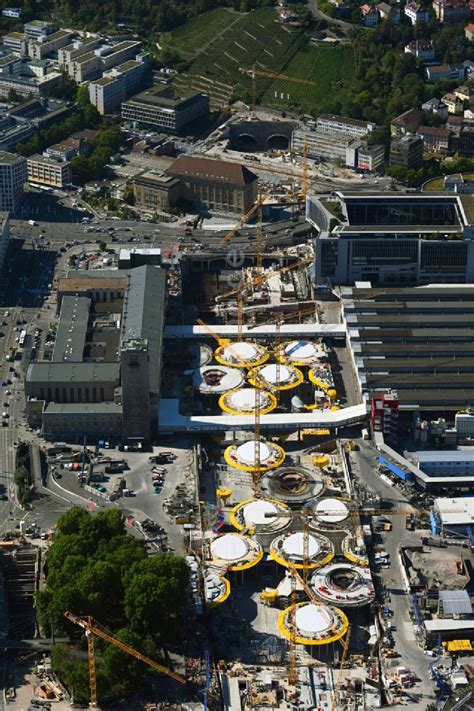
{"x":92,"y":630}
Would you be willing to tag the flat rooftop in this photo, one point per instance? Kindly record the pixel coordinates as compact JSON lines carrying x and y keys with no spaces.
{"x":417,"y":341}
{"x":72,"y":329}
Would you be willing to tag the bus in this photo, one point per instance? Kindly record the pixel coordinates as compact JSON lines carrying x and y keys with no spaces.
{"x":22,"y":339}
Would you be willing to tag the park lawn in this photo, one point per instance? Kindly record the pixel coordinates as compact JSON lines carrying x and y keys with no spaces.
{"x":190,"y":38}
{"x":331,"y":68}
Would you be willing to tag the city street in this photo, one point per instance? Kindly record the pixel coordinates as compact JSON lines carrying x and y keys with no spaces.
{"x":364,"y":467}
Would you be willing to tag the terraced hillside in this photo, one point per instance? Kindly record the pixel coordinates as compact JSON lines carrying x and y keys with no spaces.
{"x":254,"y":38}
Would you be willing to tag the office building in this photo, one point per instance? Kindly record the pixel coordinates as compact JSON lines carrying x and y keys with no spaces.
{"x":344,"y":126}
{"x":13,"y":176}
{"x":214,"y":184}
{"x":112,"y":56}
{"x":394,"y":239}
{"x":48,"y":170}
{"x":155,"y":192}
{"x":78,"y":47}
{"x":108,"y":93}
{"x":37,"y":28}
{"x":370,"y":158}
{"x":161,"y":109}
{"x":322,"y":144}
{"x":406,"y":152}
{"x":104,"y":374}
{"x":16,"y":42}
{"x":48,"y":45}
{"x":4,"y":237}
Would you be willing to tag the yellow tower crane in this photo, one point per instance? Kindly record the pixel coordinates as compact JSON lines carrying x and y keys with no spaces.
{"x":92,"y":630}
{"x":245,"y":218}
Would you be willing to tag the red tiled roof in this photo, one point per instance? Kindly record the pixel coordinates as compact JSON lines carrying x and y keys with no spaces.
{"x":216,"y":169}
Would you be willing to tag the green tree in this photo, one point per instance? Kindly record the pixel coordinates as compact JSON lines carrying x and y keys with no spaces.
{"x":151,"y":587}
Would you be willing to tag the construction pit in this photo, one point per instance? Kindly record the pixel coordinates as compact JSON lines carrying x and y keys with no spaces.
{"x":217,"y":379}
{"x":241,"y":354}
{"x":301,"y":353}
{"x":303,"y":550}
{"x":246,"y":401}
{"x":261,"y":517}
{"x":277,"y":375}
{"x":293,"y":485}
{"x":343,"y":584}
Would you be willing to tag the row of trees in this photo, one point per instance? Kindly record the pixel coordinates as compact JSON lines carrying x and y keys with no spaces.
{"x":94,"y":167}
{"x":94,"y":568}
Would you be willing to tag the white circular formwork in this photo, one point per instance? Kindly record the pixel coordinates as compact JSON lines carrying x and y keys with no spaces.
{"x":331,"y":511}
{"x":241,"y":354}
{"x":312,"y":619}
{"x":290,"y":547}
{"x":344,"y":585}
{"x":236,"y":552}
{"x":217,"y":379}
{"x":311,"y":624}
{"x":246,"y":453}
{"x":293,"y":546}
{"x":246,"y":400}
{"x":301,"y":353}
{"x":229,"y":547}
{"x":260,"y":513}
{"x":243,"y":456}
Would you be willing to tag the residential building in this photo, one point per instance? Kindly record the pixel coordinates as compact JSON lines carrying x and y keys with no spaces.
{"x":49,"y":171}
{"x":416,"y":13}
{"x":452,"y":72}
{"x":13,"y":12}
{"x":161,"y":109}
{"x":396,"y":239}
{"x":13,"y":176}
{"x":60,"y":152}
{"x":389,"y":12}
{"x":469,"y":32}
{"x":406,"y":151}
{"x":37,"y":28}
{"x":48,"y":45}
{"x":465,"y":93}
{"x":407,"y":122}
{"x":370,"y":158}
{"x":344,"y":125}
{"x":81,"y":142}
{"x":155,"y":192}
{"x":450,"y":12}
{"x":16,"y":43}
{"x":435,"y":106}
{"x":422,"y":49}
{"x":435,"y":139}
{"x":466,"y":142}
{"x":370,"y":16}
{"x":214,"y":184}
{"x":108,"y":93}
{"x":454,"y":104}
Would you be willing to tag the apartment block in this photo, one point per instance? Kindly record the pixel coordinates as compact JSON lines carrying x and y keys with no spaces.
{"x":46,"y":170}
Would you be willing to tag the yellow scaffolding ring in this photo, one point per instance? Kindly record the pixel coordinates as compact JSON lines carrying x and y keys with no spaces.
{"x":249,"y":564}
{"x":233,"y":514}
{"x":312,"y":642}
{"x":302,"y":566}
{"x":222,"y":598}
{"x":232,"y":411}
{"x":243,"y":364}
{"x":288,"y":386}
{"x":278,"y":461}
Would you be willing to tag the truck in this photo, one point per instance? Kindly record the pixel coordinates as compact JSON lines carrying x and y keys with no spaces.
{"x":115,"y":468}
{"x":365,"y":434}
